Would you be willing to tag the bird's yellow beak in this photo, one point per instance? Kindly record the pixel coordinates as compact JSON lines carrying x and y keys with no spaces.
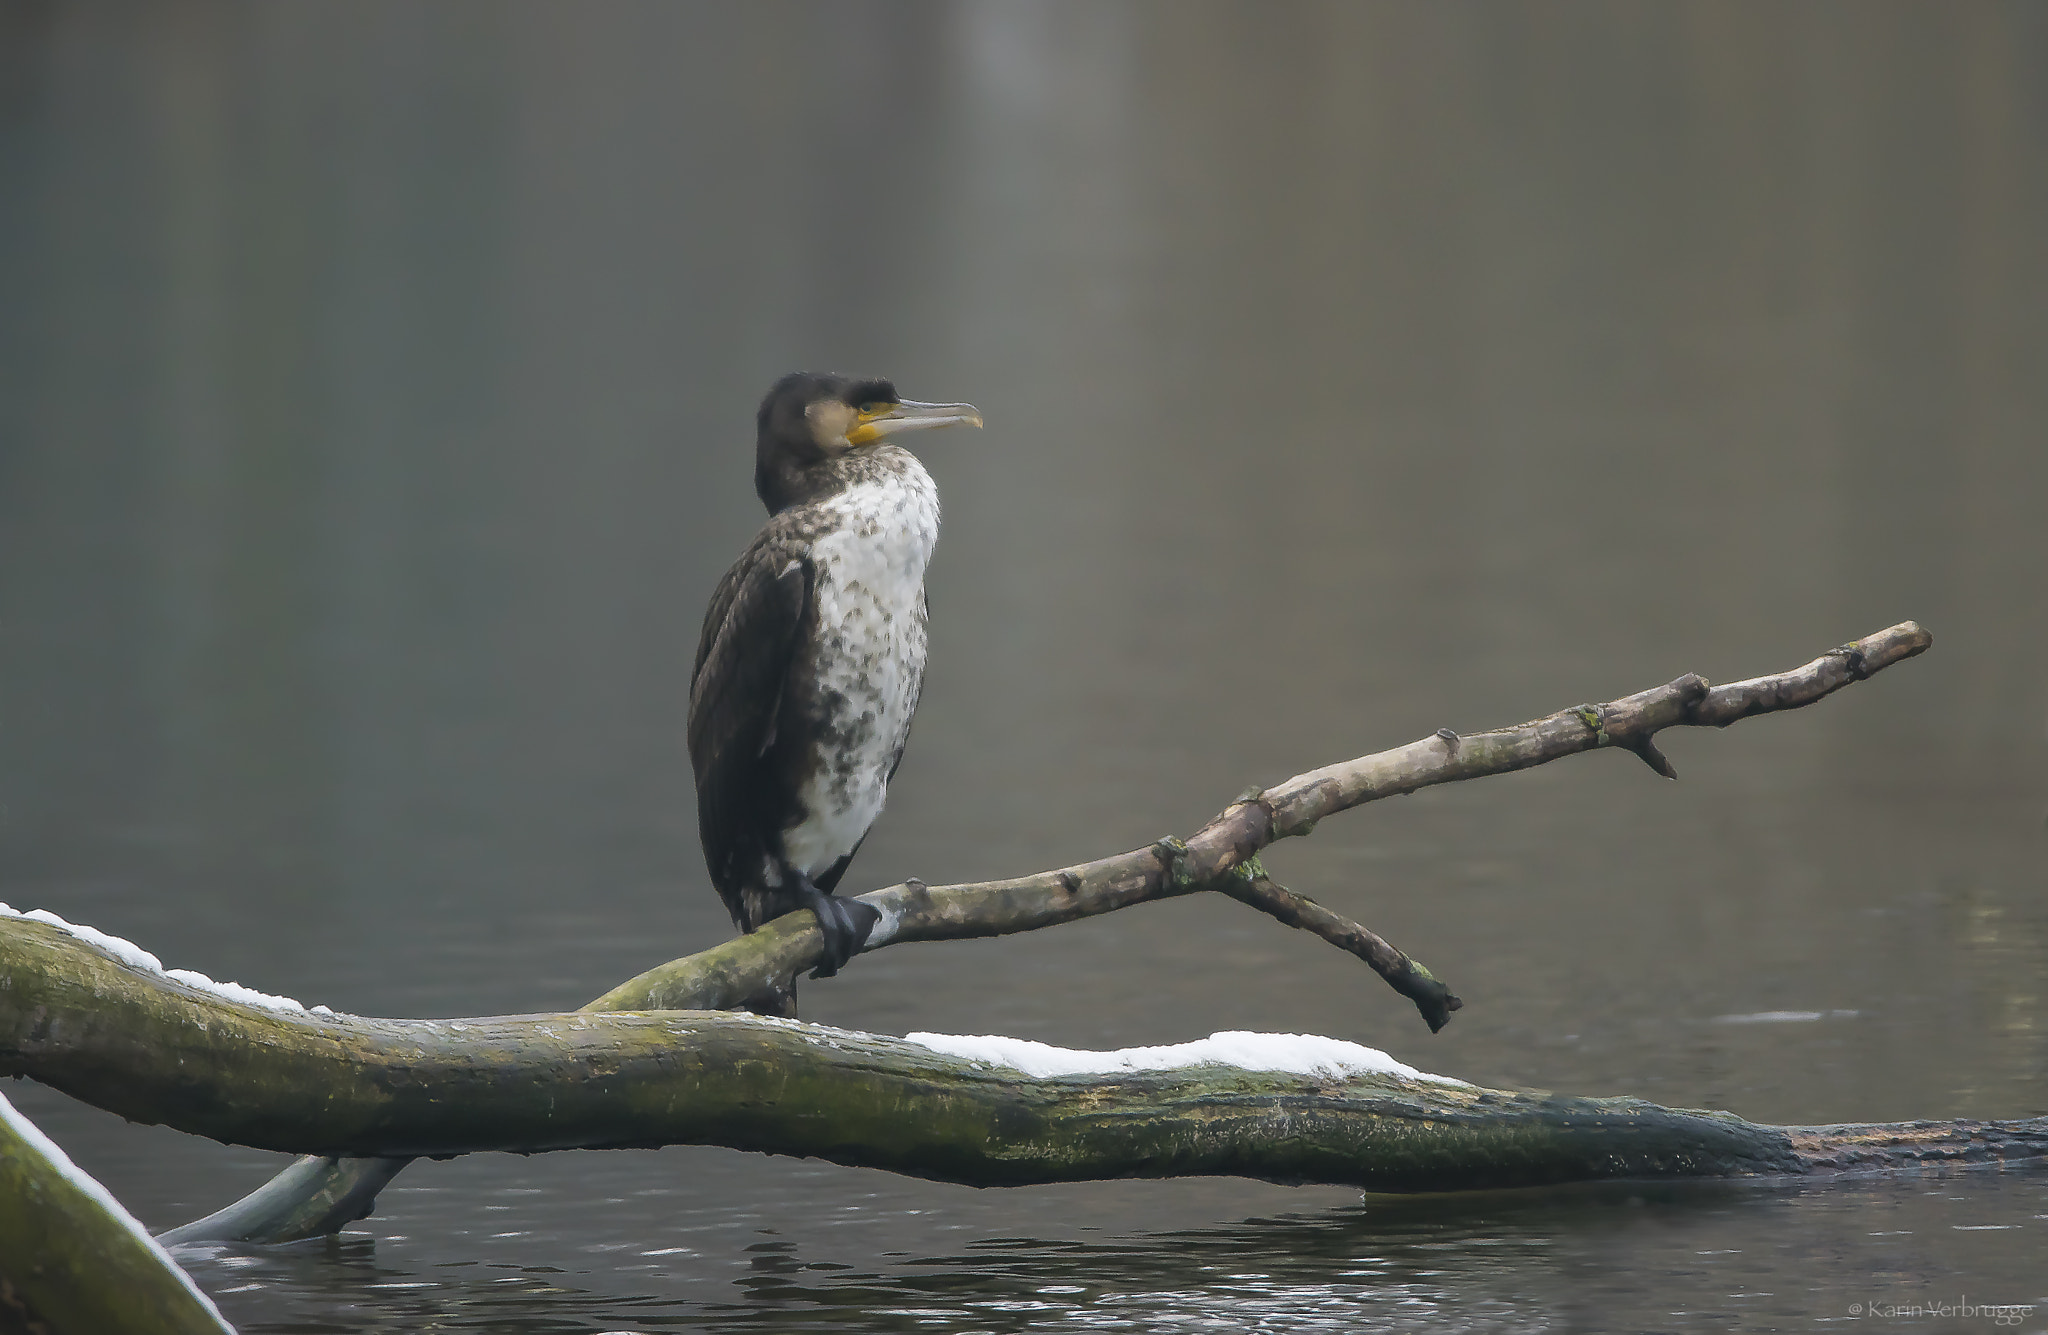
{"x":876,"y":421}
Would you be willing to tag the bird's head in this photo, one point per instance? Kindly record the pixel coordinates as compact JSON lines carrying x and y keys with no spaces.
{"x":809,"y":422}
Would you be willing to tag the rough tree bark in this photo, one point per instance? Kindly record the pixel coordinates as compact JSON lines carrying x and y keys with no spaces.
{"x":379,"y":1090}
{"x":144,"y":1047}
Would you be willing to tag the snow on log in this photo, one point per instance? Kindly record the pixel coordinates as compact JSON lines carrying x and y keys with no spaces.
{"x":1284,"y":1108}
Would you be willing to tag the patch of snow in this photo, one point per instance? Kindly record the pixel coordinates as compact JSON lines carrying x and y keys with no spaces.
{"x":248,"y":996}
{"x":130,"y":954}
{"x":1298,"y":1054}
{"x":32,"y":1134}
{"x":135,"y":957}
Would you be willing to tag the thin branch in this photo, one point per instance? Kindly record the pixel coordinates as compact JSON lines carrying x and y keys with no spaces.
{"x":1403,"y":974}
{"x":766,"y":963}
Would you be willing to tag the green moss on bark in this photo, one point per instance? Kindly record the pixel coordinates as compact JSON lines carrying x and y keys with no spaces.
{"x":69,"y":1263}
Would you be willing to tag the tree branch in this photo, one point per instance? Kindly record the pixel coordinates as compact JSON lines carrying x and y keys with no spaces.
{"x":152,"y":1050}
{"x":1404,"y":975}
{"x":759,"y":970}
{"x":766,"y":963}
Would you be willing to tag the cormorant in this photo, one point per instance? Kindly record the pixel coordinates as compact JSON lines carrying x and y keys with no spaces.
{"x":812,"y":653}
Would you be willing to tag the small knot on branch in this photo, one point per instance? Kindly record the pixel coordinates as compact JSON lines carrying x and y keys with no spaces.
{"x":1596,"y":723}
{"x":1247,"y":836}
{"x":1172,"y":852}
{"x":1854,"y":659}
{"x":1692,"y":687}
{"x":1448,"y":737}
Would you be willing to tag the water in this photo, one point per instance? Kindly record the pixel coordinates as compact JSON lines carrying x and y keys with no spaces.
{"x":375,"y":397}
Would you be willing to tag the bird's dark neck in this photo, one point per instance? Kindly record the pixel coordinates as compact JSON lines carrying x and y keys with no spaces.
{"x":783,"y":481}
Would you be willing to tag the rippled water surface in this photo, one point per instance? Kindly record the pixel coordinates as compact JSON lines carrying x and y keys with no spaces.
{"x":375,"y":407}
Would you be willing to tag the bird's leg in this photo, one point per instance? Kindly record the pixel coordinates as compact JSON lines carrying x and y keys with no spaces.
{"x":845,"y":923}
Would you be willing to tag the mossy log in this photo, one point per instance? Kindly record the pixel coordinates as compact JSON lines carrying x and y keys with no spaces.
{"x":153,"y":1050}
{"x":759,"y":971}
{"x":71,"y":1259}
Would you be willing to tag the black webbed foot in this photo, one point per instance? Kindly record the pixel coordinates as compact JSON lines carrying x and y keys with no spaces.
{"x":845,"y":923}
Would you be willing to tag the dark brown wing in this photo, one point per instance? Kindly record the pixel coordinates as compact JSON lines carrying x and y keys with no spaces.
{"x":751,"y":632}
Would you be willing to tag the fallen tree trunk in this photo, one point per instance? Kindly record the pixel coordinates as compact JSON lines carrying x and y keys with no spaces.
{"x":758,"y":971}
{"x":142,"y":1046}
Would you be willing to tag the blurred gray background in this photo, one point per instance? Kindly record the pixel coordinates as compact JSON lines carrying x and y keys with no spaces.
{"x":376,"y":392}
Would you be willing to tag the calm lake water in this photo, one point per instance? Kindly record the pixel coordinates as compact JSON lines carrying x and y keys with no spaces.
{"x":376,"y":388}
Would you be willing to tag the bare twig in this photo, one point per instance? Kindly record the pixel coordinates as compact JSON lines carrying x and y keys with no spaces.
{"x":1215,"y":857}
{"x":1404,"y":975}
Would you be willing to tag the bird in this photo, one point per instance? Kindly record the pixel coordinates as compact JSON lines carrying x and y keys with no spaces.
{"x":812,"y":654}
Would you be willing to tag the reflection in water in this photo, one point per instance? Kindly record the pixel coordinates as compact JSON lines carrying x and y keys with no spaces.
{"x":1614,"y":1256}
{"x":374,"y":394}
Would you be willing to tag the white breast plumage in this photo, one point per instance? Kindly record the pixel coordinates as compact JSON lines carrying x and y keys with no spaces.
{"x":868,"y":598}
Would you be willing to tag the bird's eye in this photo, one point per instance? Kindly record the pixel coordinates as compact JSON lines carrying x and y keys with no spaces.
{"x":873,"y":409}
